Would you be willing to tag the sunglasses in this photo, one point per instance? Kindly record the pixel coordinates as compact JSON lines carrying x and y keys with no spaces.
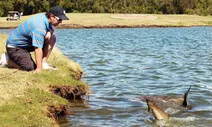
{"x":60,"y":20}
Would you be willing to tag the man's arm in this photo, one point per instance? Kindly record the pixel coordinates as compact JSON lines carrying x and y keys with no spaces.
{"x":38,"y":59}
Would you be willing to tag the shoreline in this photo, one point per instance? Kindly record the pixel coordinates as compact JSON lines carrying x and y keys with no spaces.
{"x":78,"y":26}
{"x":124,"y":26}
{"x":40,"y":99}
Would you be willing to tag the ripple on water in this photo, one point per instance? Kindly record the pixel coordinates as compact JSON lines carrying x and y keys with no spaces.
{"x":125,"y":63}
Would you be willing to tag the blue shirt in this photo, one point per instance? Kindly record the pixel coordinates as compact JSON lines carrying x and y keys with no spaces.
{"x":30,"y":33}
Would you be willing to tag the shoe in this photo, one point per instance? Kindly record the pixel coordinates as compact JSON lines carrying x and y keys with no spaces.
{"x":46,"y":66}
{"x":4,"y":60}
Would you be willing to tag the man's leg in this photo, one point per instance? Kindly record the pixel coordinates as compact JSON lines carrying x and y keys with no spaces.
{"x":22,"y":58}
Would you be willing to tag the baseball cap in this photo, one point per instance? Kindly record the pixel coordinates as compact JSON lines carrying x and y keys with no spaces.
{"x":59,"y":12}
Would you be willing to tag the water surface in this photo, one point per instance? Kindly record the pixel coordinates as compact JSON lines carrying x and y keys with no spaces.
{"x":122,"y":64}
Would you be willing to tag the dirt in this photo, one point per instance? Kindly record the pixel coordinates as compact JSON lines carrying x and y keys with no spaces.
{"x":69,"y":92}
{"x":60,"y":112}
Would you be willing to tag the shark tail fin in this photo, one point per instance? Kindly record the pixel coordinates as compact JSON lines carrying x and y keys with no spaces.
{"x":157,"y":112}
{"x":185,"y":102}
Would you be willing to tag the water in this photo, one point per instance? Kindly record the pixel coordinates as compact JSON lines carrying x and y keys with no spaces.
{"x":122,"y":64}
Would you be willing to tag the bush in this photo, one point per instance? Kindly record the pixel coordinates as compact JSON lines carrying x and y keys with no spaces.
{"x":190,"y":11}
{"x":1,"y":12}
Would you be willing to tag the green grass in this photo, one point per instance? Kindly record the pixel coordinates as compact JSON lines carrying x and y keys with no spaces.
{"x":103,"y":19}
{"x":145,"y":19}
{"x":24,"y":96}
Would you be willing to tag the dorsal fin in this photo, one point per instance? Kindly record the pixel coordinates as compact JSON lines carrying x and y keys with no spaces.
{"x":157,"y":112}
{"x":185,"y":104}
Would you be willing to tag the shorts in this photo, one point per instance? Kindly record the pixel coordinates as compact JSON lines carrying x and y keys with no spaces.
{"x":22,"y":58}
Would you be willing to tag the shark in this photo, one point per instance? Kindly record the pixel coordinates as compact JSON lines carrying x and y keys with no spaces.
{"x":157,"y":104}
{"x":158,"y":113}
{"x":166,"y":101}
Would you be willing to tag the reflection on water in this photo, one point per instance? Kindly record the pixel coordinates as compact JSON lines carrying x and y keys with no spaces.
{"x":5,"y":31}
{"x":122,"y":64}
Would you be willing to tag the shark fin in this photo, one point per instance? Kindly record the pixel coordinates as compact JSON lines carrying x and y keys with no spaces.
{"x":158,"y":113}
{"x":185,"y":103}
{"x":148,"y":107}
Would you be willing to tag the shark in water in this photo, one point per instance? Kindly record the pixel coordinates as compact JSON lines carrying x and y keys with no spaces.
{"x":157,"y":104}
{"x":158,"y":113}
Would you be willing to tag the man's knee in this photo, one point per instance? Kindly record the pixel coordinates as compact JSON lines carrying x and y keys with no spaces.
{"x":28,"y":68}
{"x":53,"y":39}
{"x":50,"y":39}
{"x":48,"y":36}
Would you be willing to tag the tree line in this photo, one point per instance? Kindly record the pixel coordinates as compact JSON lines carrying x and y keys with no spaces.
{"x":199,"y":7}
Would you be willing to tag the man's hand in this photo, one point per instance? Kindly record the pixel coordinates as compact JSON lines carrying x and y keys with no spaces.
{"x":37,"y":70}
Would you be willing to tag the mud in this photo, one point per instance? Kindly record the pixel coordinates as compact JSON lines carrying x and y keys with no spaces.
{"x":58,"y":112}
{"x":69,"y":92}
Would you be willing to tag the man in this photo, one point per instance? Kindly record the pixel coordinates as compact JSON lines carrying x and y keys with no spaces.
{"x":35,"y":34}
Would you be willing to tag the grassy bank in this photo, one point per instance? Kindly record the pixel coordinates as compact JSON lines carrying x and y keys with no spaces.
{"x":25,"y":97}
{"x":137,"y":20}
{"x":90,"y":20}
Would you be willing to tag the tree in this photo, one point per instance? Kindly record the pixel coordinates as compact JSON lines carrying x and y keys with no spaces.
{"x":201,"y":7}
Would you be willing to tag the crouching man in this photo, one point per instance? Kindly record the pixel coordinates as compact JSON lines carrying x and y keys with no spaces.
{"x":35,"y":34}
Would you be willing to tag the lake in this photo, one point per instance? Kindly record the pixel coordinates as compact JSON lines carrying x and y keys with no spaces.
{"x":122,"y":64}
